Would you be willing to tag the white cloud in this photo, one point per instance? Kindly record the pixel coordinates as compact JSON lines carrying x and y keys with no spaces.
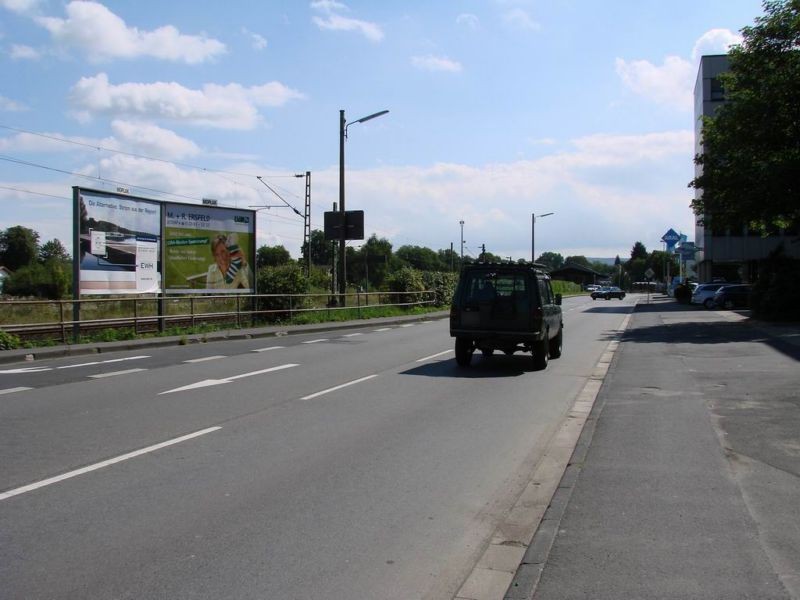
{"x":128,"y":136}
{"x":520,"y":19}
{"x":336,"y":22}
{"x":670,"y":84}
{"x":151,"y":140}
{"x":20,"y":6}
{"x":607,"y":192}
{"x":21,"y":52}
{"x":468,"y":20}
{"x":231,"y":106}
{"x":715,"y":41}
{"x":328,"y":6}
{"x":9,"y":105}
{"x":436,"y":63}
{"x":93,"y":29}
{"x":258,"y":42}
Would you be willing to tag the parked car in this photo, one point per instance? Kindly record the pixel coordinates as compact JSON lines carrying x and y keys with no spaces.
{"x":704,"y":294}
{"x":733,"y":296}
{"x":607,"y":293}
{"x":507,"y":307}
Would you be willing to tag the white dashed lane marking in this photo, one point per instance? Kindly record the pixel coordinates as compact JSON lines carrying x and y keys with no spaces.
{"x":338,"y":387}
{"x":115,"y":373}
{"x":13,"y":390}
{"x":434,"y":355}
{"x":105,"y":463}
{"x":204,"y":359}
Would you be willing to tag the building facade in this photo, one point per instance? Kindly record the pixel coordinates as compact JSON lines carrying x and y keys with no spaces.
{"x":731,"y":254}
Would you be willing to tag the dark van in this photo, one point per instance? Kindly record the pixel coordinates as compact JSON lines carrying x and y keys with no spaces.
{"x":508,"y":307}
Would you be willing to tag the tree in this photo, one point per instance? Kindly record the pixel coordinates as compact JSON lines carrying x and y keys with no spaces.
{"x":19,"y":247}
{"x":53,"y":250}
{"x":449,"y":259}
{"x":578,"y":260}
{"x":420,"y":258}
{"x":272,"y":256}
{"x":638,"y":251}
{"x":751,"y":153}
{"x":321,"y":249}
{"x":552,"y":259}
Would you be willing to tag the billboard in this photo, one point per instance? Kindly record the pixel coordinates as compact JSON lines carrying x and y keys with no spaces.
{"x":117,"y":240}
{"x":208,"y":249}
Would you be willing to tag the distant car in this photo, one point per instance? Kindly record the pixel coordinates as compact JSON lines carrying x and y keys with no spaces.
{"x":592,"y":288}
{"x":704,"y":294}
{"x":733,"y":296}
{"x":607,"y":293}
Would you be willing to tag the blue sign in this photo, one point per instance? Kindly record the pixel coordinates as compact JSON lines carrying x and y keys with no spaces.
{"x":670,"y":239}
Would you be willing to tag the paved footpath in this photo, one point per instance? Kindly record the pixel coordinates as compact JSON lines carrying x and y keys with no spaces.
{"x":686,"y":480}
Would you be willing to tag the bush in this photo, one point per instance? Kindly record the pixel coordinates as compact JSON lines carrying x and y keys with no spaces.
{"x":442,"y":284}
{"x":406,"y":280}
{"x":9,"y":341}
{"x":283,"y":280}
{"x":49,"y":280}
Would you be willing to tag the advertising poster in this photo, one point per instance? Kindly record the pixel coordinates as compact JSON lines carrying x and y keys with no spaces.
{"x":118,"y":241}
{"x":208,"y":249}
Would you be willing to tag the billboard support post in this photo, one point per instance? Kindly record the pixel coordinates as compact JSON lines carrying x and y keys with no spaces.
{"x":76,"y":264}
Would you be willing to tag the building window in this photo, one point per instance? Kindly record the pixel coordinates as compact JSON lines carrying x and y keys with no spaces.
{"x":717,"y":91}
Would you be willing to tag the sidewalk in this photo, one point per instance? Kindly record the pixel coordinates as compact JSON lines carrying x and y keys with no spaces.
{"x":686,"y":479}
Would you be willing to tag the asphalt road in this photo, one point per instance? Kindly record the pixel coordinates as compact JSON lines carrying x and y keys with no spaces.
{"x":348,"y":465}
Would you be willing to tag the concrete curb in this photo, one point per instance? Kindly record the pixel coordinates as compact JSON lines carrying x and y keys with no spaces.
{"x":30,"y":354}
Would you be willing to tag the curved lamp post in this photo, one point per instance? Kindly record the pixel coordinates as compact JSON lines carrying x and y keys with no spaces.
{"x":533,"y":232}
{"x":343,"y":125}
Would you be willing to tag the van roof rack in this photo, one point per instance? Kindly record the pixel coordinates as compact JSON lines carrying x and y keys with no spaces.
{"x":527,"y":263}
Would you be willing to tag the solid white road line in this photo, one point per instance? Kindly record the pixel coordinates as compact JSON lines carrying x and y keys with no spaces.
{"x":315,"y":341}
{"x":210,"y":382}
{"x":204,"y":359}
{"x":268,"y":348}
{"x":115,"y":373}
{"x":12,"y":390}
{"x":434,"y":356}
{"x":338,"y":387}
{"x":105,"y":463}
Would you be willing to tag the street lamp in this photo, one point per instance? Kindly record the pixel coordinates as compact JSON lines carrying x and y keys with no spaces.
{"x":343,"y":125}
{"x":533,"y":233}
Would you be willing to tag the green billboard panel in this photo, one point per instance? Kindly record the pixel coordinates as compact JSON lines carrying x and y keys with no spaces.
{"x":208,"y":249}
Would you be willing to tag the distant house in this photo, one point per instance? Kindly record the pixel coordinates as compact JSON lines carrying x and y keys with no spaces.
{"x":579,"y":274}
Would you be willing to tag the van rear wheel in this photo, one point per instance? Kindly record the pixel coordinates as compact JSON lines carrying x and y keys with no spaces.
{"x":541,"y":354}
{"x":556,"y":344}
{"x":463,"y":352}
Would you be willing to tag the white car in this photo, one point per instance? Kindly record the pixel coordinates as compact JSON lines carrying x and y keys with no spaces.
{"x":704,"y":294}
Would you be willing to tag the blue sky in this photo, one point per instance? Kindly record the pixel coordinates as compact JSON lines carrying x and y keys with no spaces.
{"x":498,"y":109}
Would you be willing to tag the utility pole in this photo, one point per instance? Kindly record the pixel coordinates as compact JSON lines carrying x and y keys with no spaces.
{"x":451,"y":257}
{"x":461,"y":264}
{"x":334,"y":264}
{"x":307,"y":223}
{"x":483,"y":252}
